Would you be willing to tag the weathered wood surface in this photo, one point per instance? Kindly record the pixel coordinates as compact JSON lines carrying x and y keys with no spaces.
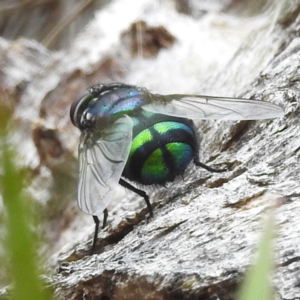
{"x":205,"y":227}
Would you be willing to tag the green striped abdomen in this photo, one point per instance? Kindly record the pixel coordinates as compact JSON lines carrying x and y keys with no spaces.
{"x":162,"y":148}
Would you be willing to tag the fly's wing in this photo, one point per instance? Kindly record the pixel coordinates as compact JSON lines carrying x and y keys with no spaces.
{"x":101,"y":163}
{"x":218,"y":108}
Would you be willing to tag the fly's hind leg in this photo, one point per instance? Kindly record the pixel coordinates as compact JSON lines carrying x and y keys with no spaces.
{"x":141,"y":193}
{"x":208,"y":168}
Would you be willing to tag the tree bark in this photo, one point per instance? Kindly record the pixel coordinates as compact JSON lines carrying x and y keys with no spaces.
{"x":206,"y":225}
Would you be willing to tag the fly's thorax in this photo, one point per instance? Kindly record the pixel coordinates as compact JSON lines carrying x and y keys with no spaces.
{"x":117,"y":102}
{"x":162,"y":148}
{"x":102,"y":104}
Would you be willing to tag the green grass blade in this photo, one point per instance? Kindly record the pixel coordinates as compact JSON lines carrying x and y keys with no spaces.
{"x":20,"y":241}
{"x":257,"y":282}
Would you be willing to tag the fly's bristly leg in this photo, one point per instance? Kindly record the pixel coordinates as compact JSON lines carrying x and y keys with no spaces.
{"x":105,"y":214}
{"x":210,"y":169}
{"x":141,"y":193}
{"x":97,"y":222}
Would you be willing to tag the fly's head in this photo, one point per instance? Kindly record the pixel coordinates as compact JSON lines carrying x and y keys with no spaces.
{"x":79,"y":112}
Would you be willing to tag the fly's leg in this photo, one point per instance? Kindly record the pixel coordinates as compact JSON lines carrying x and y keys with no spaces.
{"x":141,"y":193}
{"x":97,"y":222}
{"x":210,"y":169}
{"x":105,"y":214}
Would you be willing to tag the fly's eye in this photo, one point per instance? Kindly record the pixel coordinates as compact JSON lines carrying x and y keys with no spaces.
{"x":74,"y":112}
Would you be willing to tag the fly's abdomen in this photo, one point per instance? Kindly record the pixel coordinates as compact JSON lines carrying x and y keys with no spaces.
{"x":161,"y":151}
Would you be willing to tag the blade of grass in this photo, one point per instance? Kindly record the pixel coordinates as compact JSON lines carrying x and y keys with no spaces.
{"x":20,"y":241}
{"x":257,"y":282}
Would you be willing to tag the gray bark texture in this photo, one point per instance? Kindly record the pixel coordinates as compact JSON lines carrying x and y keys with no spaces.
{"x":206,"y":225}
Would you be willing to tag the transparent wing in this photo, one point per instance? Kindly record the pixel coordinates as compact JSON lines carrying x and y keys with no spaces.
{"x":206,"y":107}
{"x":101,"y":163}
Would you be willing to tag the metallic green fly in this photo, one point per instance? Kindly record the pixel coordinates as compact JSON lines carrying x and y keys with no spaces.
{"x":129,"y":133}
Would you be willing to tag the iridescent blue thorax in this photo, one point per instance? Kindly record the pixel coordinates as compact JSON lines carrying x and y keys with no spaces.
{"x":103,"y":104}
{"x":116,"y":102}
